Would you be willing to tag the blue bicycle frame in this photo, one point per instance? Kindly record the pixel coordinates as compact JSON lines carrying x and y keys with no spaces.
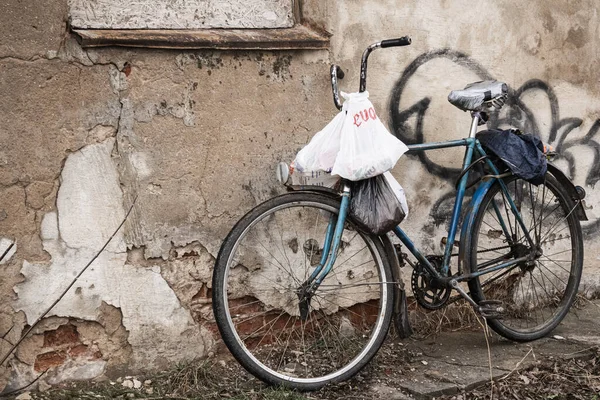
{"x":473,"y":148}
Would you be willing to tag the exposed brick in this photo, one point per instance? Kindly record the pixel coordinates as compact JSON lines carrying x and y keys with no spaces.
{"x":263,"y":340}
{"x":78,"y":351}
{"x":244,"y":305}
{"x":204,"y":294}
{"x":364,"y":315}
{"x":276,"y":321}
{"x":64,"y":334}
{"x":265,"y":329}
{"x":282,"y":322}
{"x":249,"y":325}
{"x":253,"y":342}
{"x":212,"y":327}
{"x":49,"y":360}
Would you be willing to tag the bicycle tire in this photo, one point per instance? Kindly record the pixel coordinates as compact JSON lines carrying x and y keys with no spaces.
{"x":333,"y":343}
{"x":536,"y":296}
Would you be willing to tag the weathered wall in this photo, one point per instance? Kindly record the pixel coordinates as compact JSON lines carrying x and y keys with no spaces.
{"x":163,"y":14}
{"x":195,"y":136}
{"x":543,"y":50}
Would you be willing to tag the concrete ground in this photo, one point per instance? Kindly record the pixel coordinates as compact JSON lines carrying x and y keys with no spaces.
{"x":452,"y":362}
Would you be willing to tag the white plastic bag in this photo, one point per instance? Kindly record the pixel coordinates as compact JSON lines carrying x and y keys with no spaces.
{"x":398,"y":191}
{"x":367,"y":148}
{"x":320,"y":153}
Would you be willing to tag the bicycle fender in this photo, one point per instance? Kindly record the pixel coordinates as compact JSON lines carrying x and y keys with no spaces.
{"x":469,"y":219}
{"x":400,"y":316}
{"x":571,"y":189}
{"x":314,"y":189}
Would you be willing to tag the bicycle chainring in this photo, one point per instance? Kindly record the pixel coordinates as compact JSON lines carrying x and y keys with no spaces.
{"x":427,"y":296}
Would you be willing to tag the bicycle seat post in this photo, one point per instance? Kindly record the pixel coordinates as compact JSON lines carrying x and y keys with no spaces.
{"x":474,"y":124}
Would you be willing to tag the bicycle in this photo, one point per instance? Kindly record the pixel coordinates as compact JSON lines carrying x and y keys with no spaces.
{"x":303,"y":298}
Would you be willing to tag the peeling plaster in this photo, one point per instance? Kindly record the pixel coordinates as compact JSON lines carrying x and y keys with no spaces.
{"x":77,"y":371}
{"x":189,"y":204}
{"x":90,"y":207}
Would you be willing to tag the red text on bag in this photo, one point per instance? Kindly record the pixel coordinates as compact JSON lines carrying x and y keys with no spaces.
{"x":364,"y":116}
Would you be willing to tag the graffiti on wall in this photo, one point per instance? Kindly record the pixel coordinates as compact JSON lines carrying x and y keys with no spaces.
{"x":408,"y":125}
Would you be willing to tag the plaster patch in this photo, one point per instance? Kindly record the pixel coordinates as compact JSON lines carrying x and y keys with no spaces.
{"x":89,"y":210}
{"x":139,"y":161}
{"x":118,"y":80}
{"x":100,"y":133}
{"x":49,"y":226}
{"x":4,"y":245}
{"x":77,"y":371}
{"x":21,"y":375}
{"x":191,"y":14}
{"x":89,"y":201}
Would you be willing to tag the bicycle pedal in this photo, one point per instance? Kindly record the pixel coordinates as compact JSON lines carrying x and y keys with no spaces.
{"x":402,"y":257}
{"x":398,"y":248}
{"x":491,"y":309}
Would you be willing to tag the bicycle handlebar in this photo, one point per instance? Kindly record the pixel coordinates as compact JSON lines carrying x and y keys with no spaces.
{"x":403,"y":41}
{"x":337,"y":73}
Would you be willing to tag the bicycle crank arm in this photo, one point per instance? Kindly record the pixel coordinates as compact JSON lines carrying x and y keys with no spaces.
{"x":454,"y":285}
{"x":491,"y":308}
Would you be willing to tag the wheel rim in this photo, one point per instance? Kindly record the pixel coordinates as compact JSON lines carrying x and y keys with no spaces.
{"x":535,"y":294}
{"x":347,"y":312}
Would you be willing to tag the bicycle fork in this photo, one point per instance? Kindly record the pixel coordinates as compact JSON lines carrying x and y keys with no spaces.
{"x":333,"y":238}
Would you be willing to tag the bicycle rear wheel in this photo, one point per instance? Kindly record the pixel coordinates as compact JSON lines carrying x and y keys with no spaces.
{"x":263,"y":262}
{"x":536,"y":295}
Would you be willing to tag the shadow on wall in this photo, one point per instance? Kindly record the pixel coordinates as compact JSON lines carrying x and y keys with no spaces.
{"x":407,"y":124}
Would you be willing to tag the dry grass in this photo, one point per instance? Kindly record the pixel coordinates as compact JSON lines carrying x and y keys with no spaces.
{"x":224,"y":379}
{"x":574,"y":379}
{"x":457,"y":316}
{"x":201,"y":380}
{"x":556,"y":379}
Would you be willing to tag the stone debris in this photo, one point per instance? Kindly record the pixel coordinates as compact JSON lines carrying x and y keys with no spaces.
{"x":127,"y":383}
{"x":131,"y":383}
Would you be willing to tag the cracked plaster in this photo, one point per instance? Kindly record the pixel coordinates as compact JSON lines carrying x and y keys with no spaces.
{"x":197,"y":135}
{"x":193,"y":145}
{"x":90,"y":206}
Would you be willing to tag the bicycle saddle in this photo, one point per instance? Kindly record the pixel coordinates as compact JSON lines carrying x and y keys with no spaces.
{"x":479,"y":96}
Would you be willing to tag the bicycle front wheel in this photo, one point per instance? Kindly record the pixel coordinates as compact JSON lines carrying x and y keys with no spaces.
{"x":258,"y":273}
{"x":536,"y":294}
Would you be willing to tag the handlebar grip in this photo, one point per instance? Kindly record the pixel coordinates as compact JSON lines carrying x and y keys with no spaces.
{"x":339,"y":72}
{"x":403,"y":41}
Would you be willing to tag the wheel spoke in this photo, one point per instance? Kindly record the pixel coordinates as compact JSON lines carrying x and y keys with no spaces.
{"x":279,"y":331}
{"x":536,"y":293}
